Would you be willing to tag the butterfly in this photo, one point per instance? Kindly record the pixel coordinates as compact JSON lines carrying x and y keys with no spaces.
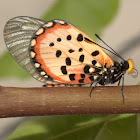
{"x":59,"y":54}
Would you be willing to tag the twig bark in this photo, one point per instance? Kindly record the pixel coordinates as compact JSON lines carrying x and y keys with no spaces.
{"x":15,"y":102}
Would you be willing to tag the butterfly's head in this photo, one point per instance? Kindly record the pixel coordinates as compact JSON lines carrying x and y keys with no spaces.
{"x":129,"y":68}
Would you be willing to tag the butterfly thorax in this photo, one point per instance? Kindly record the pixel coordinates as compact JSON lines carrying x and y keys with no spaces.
{"x":113,"y":73}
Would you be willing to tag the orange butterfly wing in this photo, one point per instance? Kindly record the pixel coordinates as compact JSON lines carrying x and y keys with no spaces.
{"x":55,"y":51}
{"x":64,"y":54}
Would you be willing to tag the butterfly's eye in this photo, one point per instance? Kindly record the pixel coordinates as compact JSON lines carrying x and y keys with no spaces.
{"x":126,"y":65}
{"x":130,"y":68}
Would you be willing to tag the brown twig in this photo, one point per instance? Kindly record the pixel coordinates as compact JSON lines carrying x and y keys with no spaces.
{"x":15,"y":102}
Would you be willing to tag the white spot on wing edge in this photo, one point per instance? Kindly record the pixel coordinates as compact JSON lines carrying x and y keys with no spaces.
{"x":40,"y":31}
{"x":33,"y":42}
{"x":49,"y":24}
{"x":32,"y":54}
{"x":46,"y":76}
{"x":42,"y":73}
{"x":61,"y":22}
{"x":37,"y":65}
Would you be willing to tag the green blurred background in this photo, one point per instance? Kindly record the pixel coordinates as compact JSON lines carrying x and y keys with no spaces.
{"x":118,"y":23}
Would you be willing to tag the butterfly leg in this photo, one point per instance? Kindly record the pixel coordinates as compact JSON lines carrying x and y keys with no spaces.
{"x":91,"y":84}
{"x":93,"y":87}
{"x":119,"y":82}
{"x":98,"y":81}
{"x":122,"y":87}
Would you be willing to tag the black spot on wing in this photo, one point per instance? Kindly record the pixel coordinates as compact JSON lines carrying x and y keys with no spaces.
{"x":86,"y":69}
{"x":71,"y":50}
{"x":80,"y":49}
{"x":58,"y":53}
{"x":82,"y":75}
{"x":95,"y":53}
{"x":72,"y":77}
{"x":80,"y":37}
{"x":94,"y":62}
{"x":58,"y":39}
{"x":81,"y":58}
{"x":51,"y":44}
{"x":81,"y":81}
{"x":69,"y":37}
{"x":68,"y":61}
{"x":63,"y":69}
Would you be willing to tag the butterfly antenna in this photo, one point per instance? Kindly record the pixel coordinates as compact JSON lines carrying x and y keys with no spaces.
{"x":109,"y":47}
{"x":86,"y":39}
